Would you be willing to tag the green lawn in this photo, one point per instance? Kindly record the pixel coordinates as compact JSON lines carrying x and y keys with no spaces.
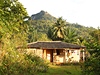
{"x":62,"y":70}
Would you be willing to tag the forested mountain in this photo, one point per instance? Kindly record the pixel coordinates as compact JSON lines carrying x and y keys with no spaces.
{"x":41,"y":23}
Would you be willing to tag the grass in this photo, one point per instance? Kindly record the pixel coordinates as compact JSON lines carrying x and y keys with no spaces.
{"x":62,"y":70}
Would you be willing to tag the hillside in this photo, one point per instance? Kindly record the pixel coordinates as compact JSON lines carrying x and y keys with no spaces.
{"x":42,"y":21}
{"x":43,"y":15}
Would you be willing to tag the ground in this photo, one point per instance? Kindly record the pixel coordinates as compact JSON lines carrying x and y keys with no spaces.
{"x":62,"y":70}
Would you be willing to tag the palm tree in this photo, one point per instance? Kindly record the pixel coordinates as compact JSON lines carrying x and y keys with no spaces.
{"x":70,"y":35}
{"x":59,"y":29}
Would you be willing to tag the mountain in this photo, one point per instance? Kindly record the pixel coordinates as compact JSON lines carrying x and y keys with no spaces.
{"x":41,"y":22}
{"x":42,"y":15}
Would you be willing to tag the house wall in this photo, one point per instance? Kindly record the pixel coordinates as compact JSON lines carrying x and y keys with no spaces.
{"x":67,"y":56}
{"x":58,"y":56}
{"x":72,"y":56}
{"x":43,"y":53}
{"x":62,"y":56}
{"x":38,"y":52}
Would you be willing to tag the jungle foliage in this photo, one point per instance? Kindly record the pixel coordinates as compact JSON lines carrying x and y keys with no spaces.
{"x":13,"y":34}
{"x":92,"y":64}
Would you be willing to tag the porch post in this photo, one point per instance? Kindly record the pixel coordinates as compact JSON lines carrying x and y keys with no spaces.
{"x":65,"y":56}
{"x":44,"y":54}
{"x":54,"y":55}
{"x":83,"y":56}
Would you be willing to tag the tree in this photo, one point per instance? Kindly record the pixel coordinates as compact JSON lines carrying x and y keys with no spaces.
{"x":70,"y":35}
{"x":58,"y":31}
{"x":38,"y":30}
{"x":32,"y":34}
{"x":13,"y":27}
{"x":96,"y":35}
{"x":13,"y":34}
{"x":92,"y":64}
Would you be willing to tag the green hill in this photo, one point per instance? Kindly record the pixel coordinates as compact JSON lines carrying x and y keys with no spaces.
{"x":43,"y":15}
{"x":42,"y":21}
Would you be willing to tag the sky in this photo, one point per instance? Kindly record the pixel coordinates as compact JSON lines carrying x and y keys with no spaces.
{"x":83,"y":12}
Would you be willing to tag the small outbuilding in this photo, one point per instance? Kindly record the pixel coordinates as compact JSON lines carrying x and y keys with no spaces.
{"x":57,"y":51}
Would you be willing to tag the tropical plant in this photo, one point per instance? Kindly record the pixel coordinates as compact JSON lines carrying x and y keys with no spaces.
{"x":92,"y":64}
{"x":15,"y":63}
{"x":71,"y":35}
{"x":32,"y":34}
{"x":96,"y":34}
{"x":13,"y":27}
{"x":58,"y":31}
{"x":13,"y":34}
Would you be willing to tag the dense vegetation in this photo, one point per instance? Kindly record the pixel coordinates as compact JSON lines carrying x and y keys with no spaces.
{"x":92,"y":64}
{"x":13,"y":34}
{"x":16,"y":31}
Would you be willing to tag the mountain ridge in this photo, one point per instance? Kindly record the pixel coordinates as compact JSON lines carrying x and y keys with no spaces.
{"x":43,"y":15}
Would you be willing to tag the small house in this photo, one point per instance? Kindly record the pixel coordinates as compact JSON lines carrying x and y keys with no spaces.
{"x":57,"y":51}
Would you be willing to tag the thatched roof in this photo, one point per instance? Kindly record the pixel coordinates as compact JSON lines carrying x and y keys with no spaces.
{"x":53,"y":45}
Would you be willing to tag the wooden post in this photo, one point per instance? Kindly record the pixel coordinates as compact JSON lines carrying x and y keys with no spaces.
{"x":83,"y":56}
{"x":54,"y":56}
{"x":44,"y":54}
{"x":65,"y":57}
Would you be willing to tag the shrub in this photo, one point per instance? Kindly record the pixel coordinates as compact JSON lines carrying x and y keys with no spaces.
{"x":14,"y":63}
{"x":41,"y":65}
{"x":92,"y":64}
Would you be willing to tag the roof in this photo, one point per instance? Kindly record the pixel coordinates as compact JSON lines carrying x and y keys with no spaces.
{"x":53,"y":45}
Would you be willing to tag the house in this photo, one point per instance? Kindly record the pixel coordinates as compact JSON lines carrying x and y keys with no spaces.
{"x":57,"y":51}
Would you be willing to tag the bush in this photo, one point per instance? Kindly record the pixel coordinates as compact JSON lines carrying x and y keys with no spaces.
{"x":92,"y":64}
{"x":41,"y":65}
{"x":14,"y":63}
